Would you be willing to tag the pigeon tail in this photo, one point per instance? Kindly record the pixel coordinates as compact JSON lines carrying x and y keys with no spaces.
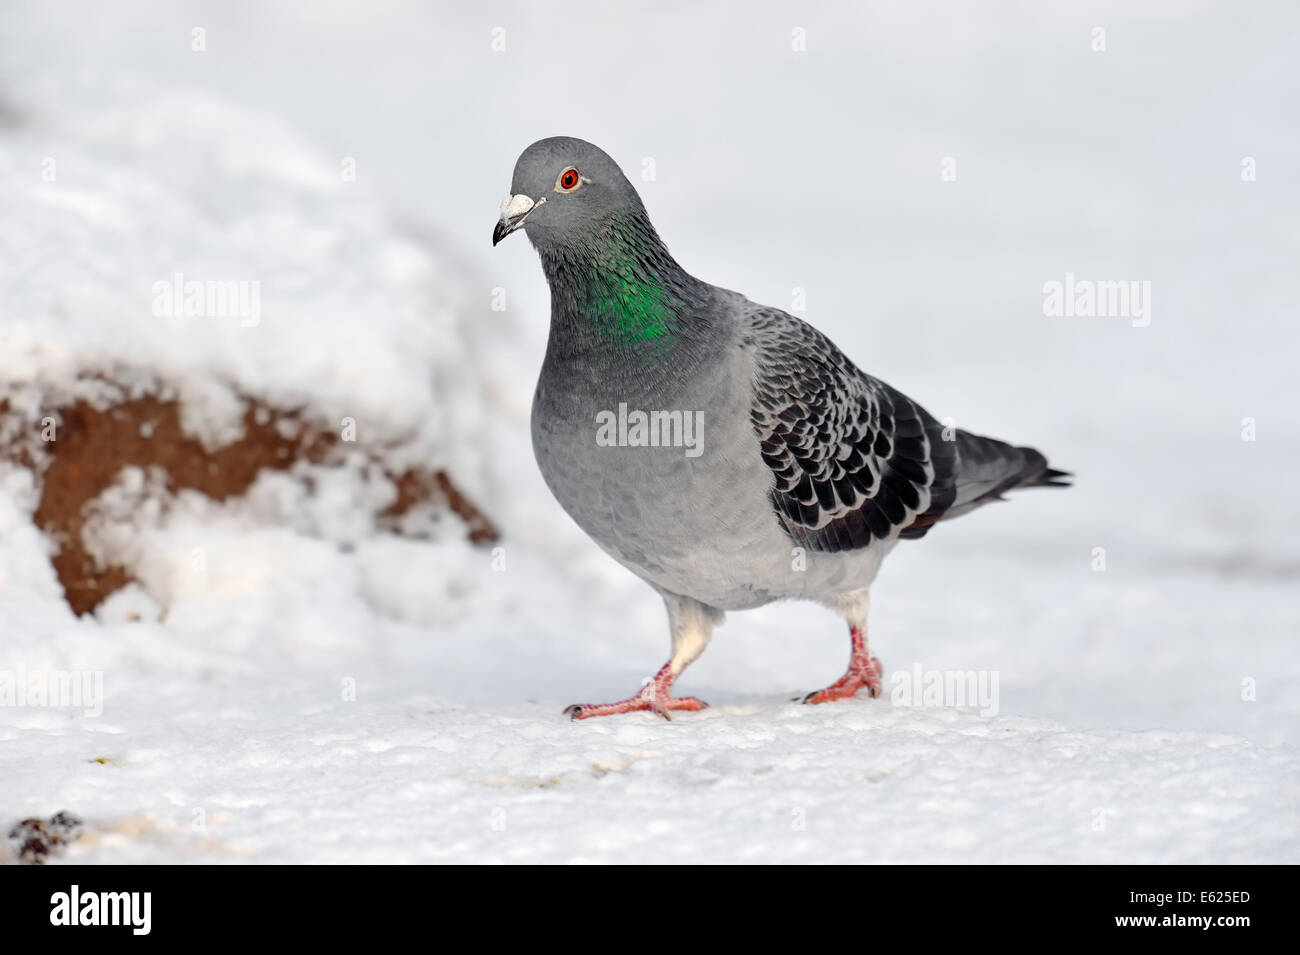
{"x":987,"y":468}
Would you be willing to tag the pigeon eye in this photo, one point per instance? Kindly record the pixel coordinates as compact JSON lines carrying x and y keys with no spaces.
{"x":569,"y":180}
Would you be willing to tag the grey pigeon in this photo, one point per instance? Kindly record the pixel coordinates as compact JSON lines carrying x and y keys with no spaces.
{"x":726,"y":453}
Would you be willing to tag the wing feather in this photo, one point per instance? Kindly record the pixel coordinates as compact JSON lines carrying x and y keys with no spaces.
{"x":853,"y":461}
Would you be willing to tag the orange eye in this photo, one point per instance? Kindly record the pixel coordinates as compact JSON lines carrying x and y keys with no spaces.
{"x":569,"y":179}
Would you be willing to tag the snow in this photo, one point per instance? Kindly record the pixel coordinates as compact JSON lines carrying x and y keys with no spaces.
{"x":286,"y":683}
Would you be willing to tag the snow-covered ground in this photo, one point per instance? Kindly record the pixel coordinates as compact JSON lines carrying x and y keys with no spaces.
{"x":315,"y":690}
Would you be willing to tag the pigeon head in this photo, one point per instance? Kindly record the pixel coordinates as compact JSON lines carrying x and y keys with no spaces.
{"x":613,"y":284}
{"x":563,"y":192}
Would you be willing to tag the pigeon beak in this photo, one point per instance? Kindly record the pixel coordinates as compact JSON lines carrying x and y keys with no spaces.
{"x":514,"y":210}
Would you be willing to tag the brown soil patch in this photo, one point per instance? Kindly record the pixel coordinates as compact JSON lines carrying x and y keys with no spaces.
{"x":415,"y":488}
{"x":93,"y":446}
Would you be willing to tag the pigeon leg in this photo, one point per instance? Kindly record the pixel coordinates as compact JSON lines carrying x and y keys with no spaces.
{"x":864,"y":670}
{"x":691,"y":624}
{"x":655,"y":696}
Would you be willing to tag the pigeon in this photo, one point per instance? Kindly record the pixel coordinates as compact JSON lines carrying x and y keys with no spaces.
{"x":725,"y":452}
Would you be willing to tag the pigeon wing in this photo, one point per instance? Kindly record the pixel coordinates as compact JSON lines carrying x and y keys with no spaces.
{"x":853,"y":460}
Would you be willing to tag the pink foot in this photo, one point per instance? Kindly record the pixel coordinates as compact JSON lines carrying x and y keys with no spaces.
{"x":654,"y":696}
{"x":864,"y":670}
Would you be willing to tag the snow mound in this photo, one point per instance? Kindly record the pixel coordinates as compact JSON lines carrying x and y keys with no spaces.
{"x":190,"y":288}
{"x":183,"y":243}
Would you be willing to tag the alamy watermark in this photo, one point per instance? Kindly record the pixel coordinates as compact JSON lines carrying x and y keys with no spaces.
{"x":53,"y":688}
{"x":921,"y":687}
{"x":1085,"y":298}
{"x":229,"y":298}
{"x":129,"y":909}
{"x":651,"y":429}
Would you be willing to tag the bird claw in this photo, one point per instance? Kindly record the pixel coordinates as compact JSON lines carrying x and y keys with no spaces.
{"x":861,"y":673}
{"x":659,"y":706}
